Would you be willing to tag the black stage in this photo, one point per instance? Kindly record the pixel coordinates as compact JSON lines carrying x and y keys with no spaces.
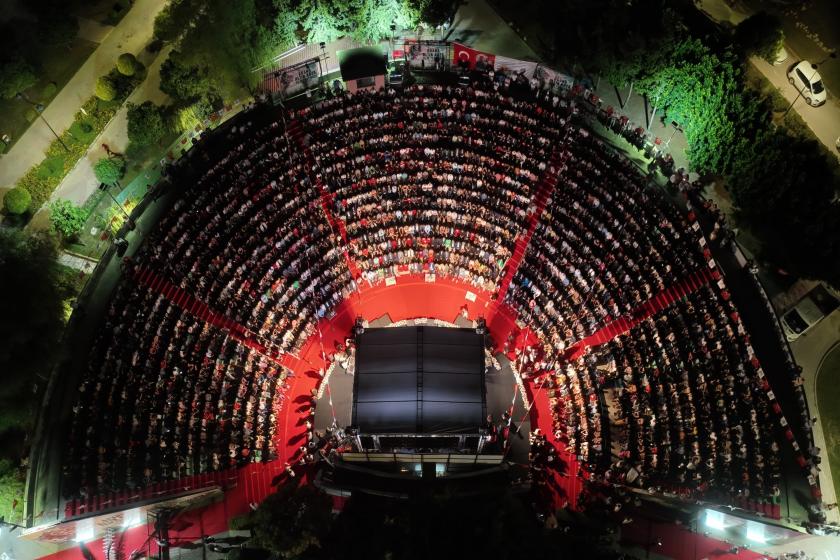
{"x":337,"y":397}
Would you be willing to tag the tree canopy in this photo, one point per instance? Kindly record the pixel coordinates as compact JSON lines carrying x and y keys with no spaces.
{"x":293,"y":520}
{"x":127,"y":64}
{"x":109,"y":170}
{"x":16,"y":75}
{"x":145,"y":123}
{"x":32,"y":290}
{"x":760,"y":34}
{"x":184,"y":82}
{"x":67,"y":218}
{"x":105,"y":88}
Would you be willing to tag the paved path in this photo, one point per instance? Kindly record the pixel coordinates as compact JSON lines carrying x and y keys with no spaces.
{"x":809,"y":351}
{"x":132,"y":34}
{"x":93,"y":31}
{"x":81,"y":182}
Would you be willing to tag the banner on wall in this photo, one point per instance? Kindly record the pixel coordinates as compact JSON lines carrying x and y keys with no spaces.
{"x":471,"y":59}
{"x":427,"y":55}
{"x":549,"y":77}
{"x":515,"y":66}
{"x":294,"y":80}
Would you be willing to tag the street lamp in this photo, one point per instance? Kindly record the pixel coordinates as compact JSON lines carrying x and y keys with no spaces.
{"x":810,"y":80}
{"x":39,"y":108}
{"x":103,"y":187}
{"x":393,"y":45}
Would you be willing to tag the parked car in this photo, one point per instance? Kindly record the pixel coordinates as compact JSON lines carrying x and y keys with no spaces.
{"x":807,"y":80}
{"x":808,"y":312}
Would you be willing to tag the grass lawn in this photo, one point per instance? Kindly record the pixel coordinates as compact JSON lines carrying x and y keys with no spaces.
{"x":58,"y":66}
{"x":828,"y":398}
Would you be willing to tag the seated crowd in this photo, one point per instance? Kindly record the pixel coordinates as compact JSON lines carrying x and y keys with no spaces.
{"x":437,"y":180}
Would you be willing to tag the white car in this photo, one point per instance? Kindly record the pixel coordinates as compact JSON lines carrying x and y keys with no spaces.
{"x":804,"y":77}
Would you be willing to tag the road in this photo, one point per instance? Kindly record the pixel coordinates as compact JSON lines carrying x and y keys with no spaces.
{"x":131,"y":34}
{"x":802,"y":44}
{"x":812,"y":30}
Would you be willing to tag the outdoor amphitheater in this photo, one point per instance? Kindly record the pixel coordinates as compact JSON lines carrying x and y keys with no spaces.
{"x":629,"y":361}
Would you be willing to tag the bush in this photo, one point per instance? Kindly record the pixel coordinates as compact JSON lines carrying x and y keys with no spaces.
{"x":105,"y":88}
{"x":109,"y":170}
{"x":17,"y":201}
{"x":15,"y":75}
{"x":67,"y":219}
{"x":154,"y":46}
{"x":145,"y":123}
{"x":30,"y":115}
{"x":127,"y":64}
{"x":760,"y":34}
{"x":49,"y":91}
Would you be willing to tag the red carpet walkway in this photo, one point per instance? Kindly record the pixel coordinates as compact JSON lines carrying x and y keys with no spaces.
{"x":196,"y":307}
{"x":326,"y":198}
{"x":540,"y":201}
{"x":654,"y":305}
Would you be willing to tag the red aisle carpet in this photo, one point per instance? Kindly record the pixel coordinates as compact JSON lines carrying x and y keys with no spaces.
{"x":654,"y":305}
{"x":541,"y":198}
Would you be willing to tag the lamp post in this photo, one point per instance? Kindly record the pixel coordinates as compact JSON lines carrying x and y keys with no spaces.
{"x":393,"y":44}
{"x":39,"y":108}
{"x":814,"y":67}
{"x":103,"y":187}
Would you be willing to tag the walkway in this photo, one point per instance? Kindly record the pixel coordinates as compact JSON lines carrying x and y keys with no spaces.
{"x":132,"y":34}
{"x":325,"y":198}
{"x":81,"y":181}
{"x":542,"y":196}
{"x":654,"y":305}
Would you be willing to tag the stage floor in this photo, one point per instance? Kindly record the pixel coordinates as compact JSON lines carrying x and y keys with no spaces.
{"x":335,"y":402}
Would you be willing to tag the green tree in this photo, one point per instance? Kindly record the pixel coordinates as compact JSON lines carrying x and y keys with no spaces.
{"x":784,"y":188}
{"x":613,"y":38}
{"x":372,"y":19}
{"x":109,"y":170}
{"x":435,"y":12}
{"x":187,"y":118}
{"x":176,"y":18}
{"x":105,"y":88}
{"x":324,"y":20}
{"x":67,"y":219}
{"x":184,"y":82}
{"x":17,"y":200}
{"x":760,"y":34}
{"x":145,"y":123}
{"x":292,"y":521}
{"x":704,"y":93}
{"x":286,"y":23}
{"x":32,"y":291}
{"x":16,"y":75}
{"x":127,"y":64}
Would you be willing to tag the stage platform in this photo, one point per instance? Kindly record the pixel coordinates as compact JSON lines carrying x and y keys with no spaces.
{"x":335,"y":402}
